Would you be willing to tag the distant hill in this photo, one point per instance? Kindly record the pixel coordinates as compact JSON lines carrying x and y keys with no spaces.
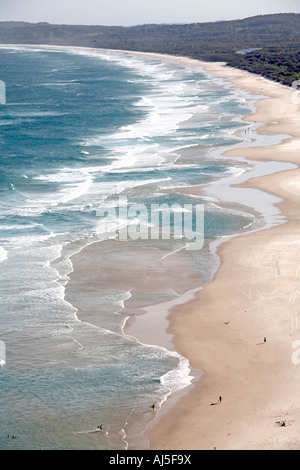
{"x":268,"y":44}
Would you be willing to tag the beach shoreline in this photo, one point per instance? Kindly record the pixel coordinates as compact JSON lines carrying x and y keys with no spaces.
{"x":228,"y":338}
{"x":221,"y":330}
{"x":253,"y":295}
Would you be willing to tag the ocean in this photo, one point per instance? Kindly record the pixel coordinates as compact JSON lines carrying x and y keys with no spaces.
{"x":82,"y":132}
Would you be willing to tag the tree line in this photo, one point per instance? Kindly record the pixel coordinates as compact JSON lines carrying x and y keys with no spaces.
{"x":273,"y":40}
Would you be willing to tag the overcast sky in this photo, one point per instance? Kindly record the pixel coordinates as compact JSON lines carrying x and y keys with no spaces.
{"x":133,"y":12}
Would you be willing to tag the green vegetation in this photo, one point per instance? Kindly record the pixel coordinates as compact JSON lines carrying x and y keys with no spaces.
{"x":274,"y":38}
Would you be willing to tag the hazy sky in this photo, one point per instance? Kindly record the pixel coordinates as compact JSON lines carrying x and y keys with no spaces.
{"x":133,"y":12}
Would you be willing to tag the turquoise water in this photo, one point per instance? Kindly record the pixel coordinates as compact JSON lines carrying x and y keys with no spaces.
{"x":79,"y":129}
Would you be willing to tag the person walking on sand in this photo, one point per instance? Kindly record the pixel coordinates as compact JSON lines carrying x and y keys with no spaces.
{"x":220,"y":399}
{"x":265,"y":339}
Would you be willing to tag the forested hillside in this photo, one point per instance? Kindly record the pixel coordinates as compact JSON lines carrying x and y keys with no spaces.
{"x":273,"y":41}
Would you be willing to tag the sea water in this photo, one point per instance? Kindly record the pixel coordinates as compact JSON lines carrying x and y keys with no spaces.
{"x":78,"y":129}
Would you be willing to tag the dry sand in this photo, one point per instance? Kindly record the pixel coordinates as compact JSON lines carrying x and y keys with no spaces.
{"x":254,"y":294}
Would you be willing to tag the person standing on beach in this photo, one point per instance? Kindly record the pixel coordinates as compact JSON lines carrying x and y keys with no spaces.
{"x":220,"y":399}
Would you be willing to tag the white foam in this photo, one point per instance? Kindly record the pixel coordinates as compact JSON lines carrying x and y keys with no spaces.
{"x":179,"y":378}
{"x":36,"y":114}
{"x":171,"y":101}
{"x":74,"y":184}
{"x":3,"y":254}
{"x":169,"y":104}
{"x":20,"y":227}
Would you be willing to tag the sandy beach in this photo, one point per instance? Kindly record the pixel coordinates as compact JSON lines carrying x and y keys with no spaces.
{"x":254,"y":296}
{"x":239,"y":333}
